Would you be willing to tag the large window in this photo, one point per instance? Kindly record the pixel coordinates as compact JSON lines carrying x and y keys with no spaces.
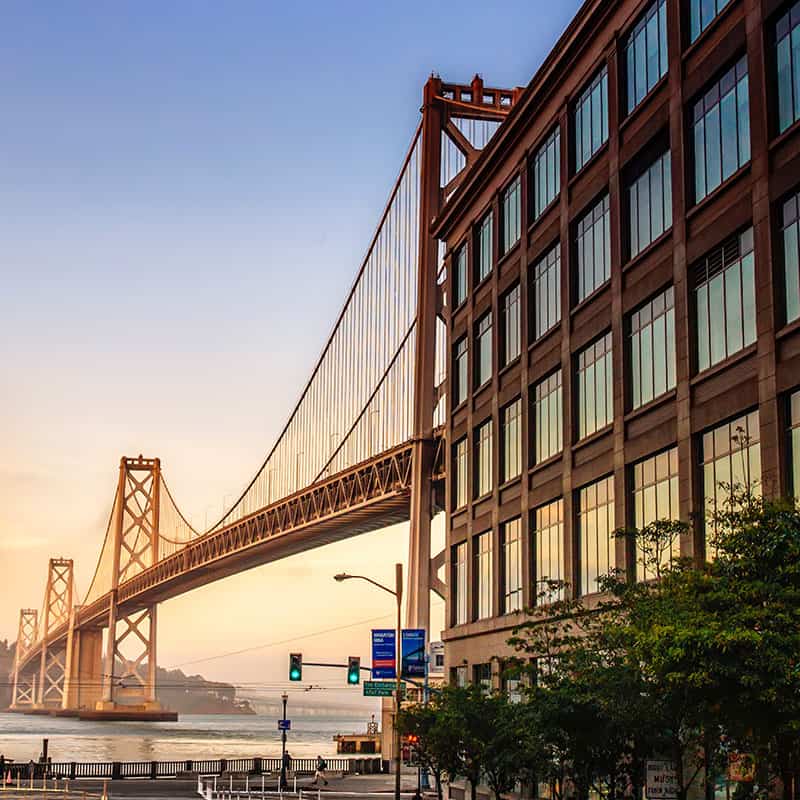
{"x":460,"y":478}
{"x":548,"y":548}
{"x":483,"y":350}
{"x":547,"y":173}
{"x":794,"y":444}
{"x":595,"y":387}
{"x":591,"y":119}
{"x":509,"y":310}
{"x":791,"y":256}
{"x":652,"y":349}
{"x":650,"y":204}
{"x":702,"y":13}
{"x":482,"y":677}
{"x":460,"y":584}
{"x":511,"y":424}
{"x":547,"y":292}
{"x":594,"y":249}
{"x":646,"y":53}
{"x":595,"y":533}
{"x":725,"y":296}
{"x":548,"y":418}
{"x":484,"y":249}
{"x":483,"y":459}
{"x":460,"y":276}
{"x":721,"y":130}
{"x":655,"y":497}
{"x":460,"y":371}
{"x":511,"y":533}
{"x":731,"y":462}
{"x":511,"y":211}
{"x":483,"y":575}
{"x":787,"y":38}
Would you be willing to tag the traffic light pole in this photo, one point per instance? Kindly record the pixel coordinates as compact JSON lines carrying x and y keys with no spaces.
{"x":284,"y":784}
{"x":398,"y":671}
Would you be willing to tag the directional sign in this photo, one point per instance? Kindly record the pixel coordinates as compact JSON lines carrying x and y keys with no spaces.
{"x":413,"y":665}
{"x":381,"y":688}
{"x":284,"y":724}
{"x":384,"y":653}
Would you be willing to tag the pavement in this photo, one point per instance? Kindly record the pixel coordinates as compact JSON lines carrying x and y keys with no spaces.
{"x":361,"y":786}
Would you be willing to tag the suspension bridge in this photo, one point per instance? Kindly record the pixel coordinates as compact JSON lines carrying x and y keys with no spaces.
{"x":362,"y":449}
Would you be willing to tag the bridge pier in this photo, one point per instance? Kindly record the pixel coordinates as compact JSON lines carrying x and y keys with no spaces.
{"x":58,"y":611}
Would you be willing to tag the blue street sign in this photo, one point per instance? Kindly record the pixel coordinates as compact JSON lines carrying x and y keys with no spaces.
{"x":384,"y":654}
{"x":284,"y":724}
{"x":413,"y":653}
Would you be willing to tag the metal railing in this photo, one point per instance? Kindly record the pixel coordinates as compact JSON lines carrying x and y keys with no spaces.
{"x":119,"y":770}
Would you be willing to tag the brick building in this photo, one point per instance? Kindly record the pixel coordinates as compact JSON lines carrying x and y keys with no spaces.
{"x":623,"y":302}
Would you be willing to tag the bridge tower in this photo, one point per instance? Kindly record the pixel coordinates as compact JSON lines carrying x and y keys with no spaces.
{"x":129,"y":673}
{"x":57,"y":613}
{"x":24,"y":691}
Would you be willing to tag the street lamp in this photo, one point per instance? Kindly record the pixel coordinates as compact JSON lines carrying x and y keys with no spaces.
{"x":398,"y":593}
{"x":284,"y":698}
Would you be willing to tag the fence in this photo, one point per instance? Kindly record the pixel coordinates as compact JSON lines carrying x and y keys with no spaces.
{"x":118,"y":770}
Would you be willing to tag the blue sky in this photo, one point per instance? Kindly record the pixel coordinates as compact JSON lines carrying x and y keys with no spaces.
{"x":186,"y":191}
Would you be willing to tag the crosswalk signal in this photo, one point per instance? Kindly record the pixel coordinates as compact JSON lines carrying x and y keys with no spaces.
{"x":295,"y":666}
{"x":353,"y":670}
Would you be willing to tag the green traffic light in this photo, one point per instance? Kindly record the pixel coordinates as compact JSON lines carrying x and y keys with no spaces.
{"x":294,"y":675}
{"x":295,"y":666}
{"x":353,"y":670}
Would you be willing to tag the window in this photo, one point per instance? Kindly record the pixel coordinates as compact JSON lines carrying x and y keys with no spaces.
{"x":702,"y":13}
{"x":511,"y":211}
{"x":512,"y":566}
{"x":547,"y":292}
{"x":646,"y":53}
{"x":483,"y":459}
{"x":460,"y":477}
{"x":460,"y":583}
{"x":484,"y":265}
{"x":595,"y":383}
{"x":546,"y":182}
{"x":594,"y":249}
{"x":787,"y":42}
{"x":595,"y":533}
{"x":548,"y":536}
{"x":511,"y":424}
{"x":548,"y":418}
{"x":483,"y":575}
{"x":482,"y":676}
{"x":721,"y":131}
{"x":483,"y":350}
{"x":731,"y":462}
{"x":791,"y":256}
{"x":460,"y":276}
{"x":591,"y":119}
{"x":509,"y":305}
{"x":458,"y":676}
{"x":725,"y":296}
{"x":650,"y":204}
{"x":655,"y":497}
{"x":794,"y":444}
{"x":652,"y":349}
{"x":513,"y":688}
{"x":460,"y":372}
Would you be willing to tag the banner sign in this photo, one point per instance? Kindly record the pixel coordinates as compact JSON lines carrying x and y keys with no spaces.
{"x":662,"y":780}
{"x":384,"y":653}
{"x":413,"y":653}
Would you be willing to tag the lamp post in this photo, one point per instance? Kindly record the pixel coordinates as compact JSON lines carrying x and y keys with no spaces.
{"x":284,"y":698}
{"x":398,"y":593}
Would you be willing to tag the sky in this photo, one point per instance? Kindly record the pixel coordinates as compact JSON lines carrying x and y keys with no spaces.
{"x":187,"y":190}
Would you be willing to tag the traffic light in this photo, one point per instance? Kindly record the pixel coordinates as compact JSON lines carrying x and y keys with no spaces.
{"x":295,"y":666}
{"x":353,"y":670}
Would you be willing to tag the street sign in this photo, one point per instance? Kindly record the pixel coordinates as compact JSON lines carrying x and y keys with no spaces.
{"x":662,"y":780}
{"x":413,"y":653}
{"x":284,"y":724}
{"x":384,"y":653}
{"x":381,"y":688}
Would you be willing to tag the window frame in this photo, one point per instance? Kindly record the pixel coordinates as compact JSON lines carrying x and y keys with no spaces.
{"x":484,"y":227}
{"x":660,"y":166}
{"x":546,"y":269}
{"x":536,"y":398}
{"x":460,"y":258}
{"x":505,"y":424}
{"x":599,"y":79}
{"x":506,"y":304}
{"x":551,"y":143}
{"x":517,"y":592}
{"x":480,"y":333}
{"x":460,"y":476}
{"x":515,"y":186}
{"x":460,"y":582}
{"x":657,"y":9}
{"x":481,"y":441}
{"x":584,"y":232}
{"x":582,"y":571}
{"x":483,"y":560}
{"x":793,"y":224}
{"x":582,"y":429}
{"x":555,"y":533}
{"x":787,"y":14}
{"x":460,"y":357}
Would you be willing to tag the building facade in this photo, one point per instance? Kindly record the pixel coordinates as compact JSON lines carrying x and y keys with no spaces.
{"x":623,"y":303}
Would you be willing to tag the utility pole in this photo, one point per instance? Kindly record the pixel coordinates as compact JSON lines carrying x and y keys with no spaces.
{"x":284,"y":785}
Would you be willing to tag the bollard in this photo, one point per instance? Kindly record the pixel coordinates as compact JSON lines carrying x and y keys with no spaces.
{"x":295,"y":783}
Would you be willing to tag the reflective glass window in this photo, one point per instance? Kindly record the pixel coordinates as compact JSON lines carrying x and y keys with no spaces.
{"x":511,"y":211}
{"x":460,"y":276}
{"x":511,"y":423}
{"x":460,"y":584}
{"x":646,"y":53}
{"x":546,"y":173}
{"x":483,"y":575}
{"x":548,"y":418}
{"x":590,"y":119}
{"x":484,"y":481}
{"x":725,"y":299}
{"x":593,"y":249}
{"x":652,"y":348}
{"x":460,"y":371}
{"x":511,"y":533}
{"x":548,"y":547}
{"x":650,"y":204}
{"x":461,"y":477}
{"x":595,"y":387}
{"x":546,"y":285}
{"x":595,"y":533}
{"x":787,"y":43}
{"x":791,"y":256}
{"x":702,"y":13}
{"x":512,"y":332}
{"x":484,"y":249}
